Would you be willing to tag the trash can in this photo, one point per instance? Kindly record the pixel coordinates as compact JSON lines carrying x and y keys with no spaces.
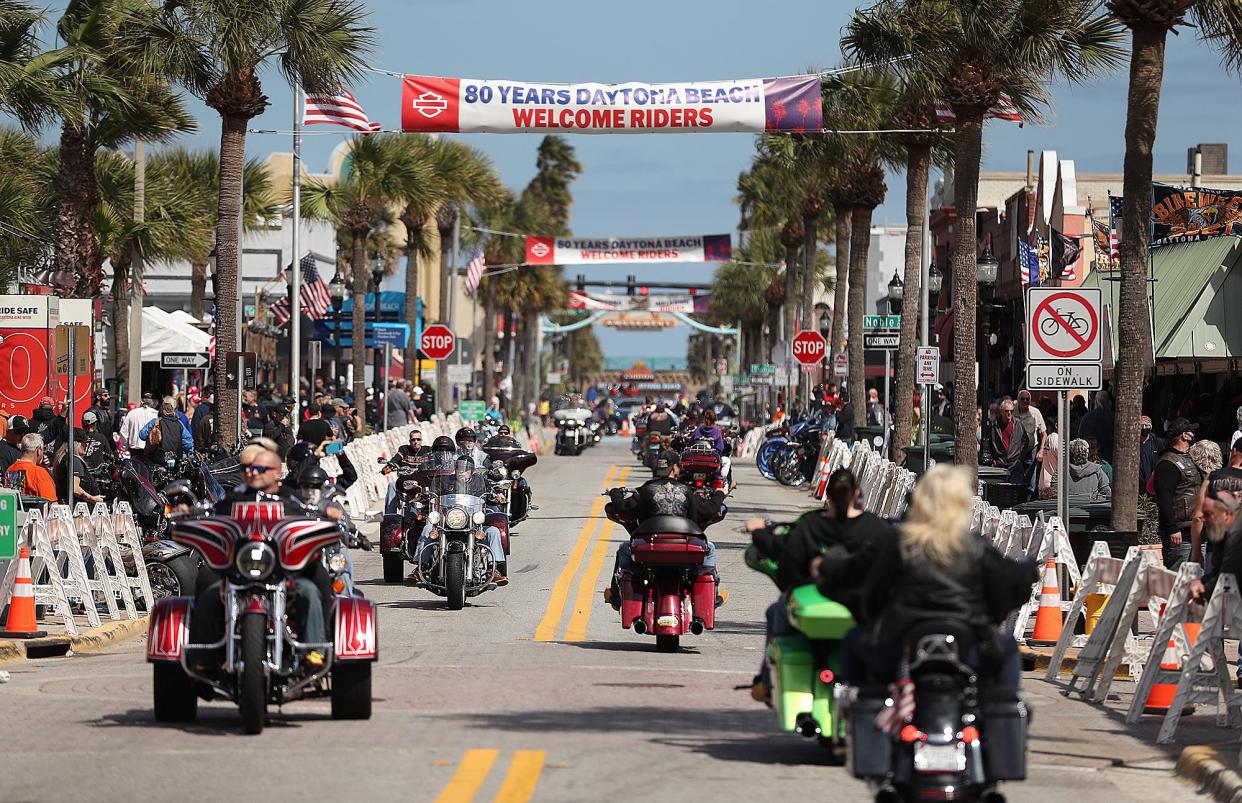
{"x":1005,"y":495}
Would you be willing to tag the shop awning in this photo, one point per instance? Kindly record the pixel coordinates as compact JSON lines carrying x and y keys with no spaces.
{"x":1198,"y":292}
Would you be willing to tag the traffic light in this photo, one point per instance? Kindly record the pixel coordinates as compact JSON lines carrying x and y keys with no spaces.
{"x":581,"y":283}
{"x":630,"y":281}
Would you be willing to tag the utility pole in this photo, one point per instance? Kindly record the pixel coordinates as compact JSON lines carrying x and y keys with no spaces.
{"x":295,"y":303}
{"x":134,"y":391}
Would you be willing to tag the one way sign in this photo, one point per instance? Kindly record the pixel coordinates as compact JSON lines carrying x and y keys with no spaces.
{"x":184,"y":359}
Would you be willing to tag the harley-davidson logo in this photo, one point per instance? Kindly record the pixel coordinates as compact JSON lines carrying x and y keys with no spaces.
{"x":429,"y":104}
{"x":540,"y":250}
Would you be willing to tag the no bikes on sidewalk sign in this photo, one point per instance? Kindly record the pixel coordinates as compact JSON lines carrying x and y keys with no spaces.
{"x":1063,"y":338}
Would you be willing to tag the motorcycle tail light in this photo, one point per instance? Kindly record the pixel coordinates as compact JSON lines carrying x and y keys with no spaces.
{"x":826,"y":676}
{"x":912,"y":734}
{"x":970,"y":734}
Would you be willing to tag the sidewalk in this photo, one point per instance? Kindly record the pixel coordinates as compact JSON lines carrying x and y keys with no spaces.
{"x":57,"y":642}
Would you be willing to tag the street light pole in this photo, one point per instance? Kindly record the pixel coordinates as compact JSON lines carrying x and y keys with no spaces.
{"x":336,"y":290}
{"x":896,"y":288}
{"x":985,"y":276}
{"x":932,"y":290}
{"x":377,"y":276}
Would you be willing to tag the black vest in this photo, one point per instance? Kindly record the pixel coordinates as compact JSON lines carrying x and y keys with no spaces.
{"x":1186,"y":492}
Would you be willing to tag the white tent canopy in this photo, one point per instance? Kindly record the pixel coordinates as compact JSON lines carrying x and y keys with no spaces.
{"x":166,"y":332}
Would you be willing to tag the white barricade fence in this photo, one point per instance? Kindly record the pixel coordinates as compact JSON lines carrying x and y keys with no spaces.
{"x":48,"y":587}
{"x":1222,"y":619}
{"x":107,"y":562}
{"x":1101,"y":576}
{"x":69,"y":563}
{"x":751,"y":442}
{"x":1048,"y":540}
{"x":129,"y":537}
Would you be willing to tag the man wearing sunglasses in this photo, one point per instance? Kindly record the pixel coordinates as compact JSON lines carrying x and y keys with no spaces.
{"x":260,"y":469}
{"x":409,"y":456}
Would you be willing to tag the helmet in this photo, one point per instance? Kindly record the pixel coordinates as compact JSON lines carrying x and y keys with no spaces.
{"x":312,"y":477}
{"x":299,"y":452}
{"x":503,"y":429}
{"x":443,"y":444}
{"x":466,"y":433}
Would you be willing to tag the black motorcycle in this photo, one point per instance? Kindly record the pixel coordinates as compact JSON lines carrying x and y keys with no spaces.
{"x":961,"y":740}
{"x":513,"y":461}
{"x":399,"y":530}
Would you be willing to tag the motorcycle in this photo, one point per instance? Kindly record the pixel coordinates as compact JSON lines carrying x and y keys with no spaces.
{"x":654,"y":444}
{"x":794,"y":463}
{"x":640,"y":436}
{"x":666,"y":595}
{"x":700,"y":468}
{"x":961,"y":741}
{"x":596,"y":432}
{"x":456,"y":562}
{"x":513,"y":461}
{"x":399,"y":531}
{"x":259,"y":658}
{"x":805,"y":666}
{"x":571,"y":436}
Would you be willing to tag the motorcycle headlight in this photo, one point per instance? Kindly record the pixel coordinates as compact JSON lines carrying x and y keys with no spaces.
{"x":478,"y":517}
{"x":456,"y":518}
{"x":433,"y":517}
{"x":337,"y":563}
{"x":255,"y":560}
{"x":516,"y":474}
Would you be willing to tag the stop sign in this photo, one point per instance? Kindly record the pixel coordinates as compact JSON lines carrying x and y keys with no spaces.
{"x":808,"y":347}
{"x":438,"y":341}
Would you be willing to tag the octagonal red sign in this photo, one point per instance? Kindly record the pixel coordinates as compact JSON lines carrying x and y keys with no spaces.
{"x":438,"y":341}
{"x":808,"y":347}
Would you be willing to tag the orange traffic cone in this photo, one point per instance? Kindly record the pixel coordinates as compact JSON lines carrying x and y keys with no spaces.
{"x":1161,"y":696}
{"x":625,"y":427}
{"x":21,"y":620}
{"x":1048,"y":619}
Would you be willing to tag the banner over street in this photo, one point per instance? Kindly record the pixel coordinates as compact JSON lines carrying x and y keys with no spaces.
{"x":466,"y":105}
{"x":614,"y":250}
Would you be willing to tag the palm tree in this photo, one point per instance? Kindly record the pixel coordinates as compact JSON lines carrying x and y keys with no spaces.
{"x":497,"y":215}
{"x":972,"y":52}
{"x":218,"y":49}
{"x":28,"y":89}
{"x":358,"y":203}
{"x":111,"y":102}
{"x":173,"y":227}
{"x":27,"y":210}
{"x":1149,"y":22}
{"x":768,"y":195}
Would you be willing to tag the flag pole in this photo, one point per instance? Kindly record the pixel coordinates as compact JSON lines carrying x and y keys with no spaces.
{"x":295,"y":303}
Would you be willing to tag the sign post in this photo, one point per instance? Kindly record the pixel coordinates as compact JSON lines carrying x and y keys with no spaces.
{"x":240,"y":374}
{"x":438,"y":342}
{"x":73,"y":359}
{"x":927,"y":374}
{"x":1064,"y":352}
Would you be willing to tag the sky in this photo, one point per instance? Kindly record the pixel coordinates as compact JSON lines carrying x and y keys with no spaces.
{"x":672,"y":184}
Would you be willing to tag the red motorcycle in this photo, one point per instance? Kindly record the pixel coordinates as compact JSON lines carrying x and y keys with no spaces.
{"x":666,"y":595}
{"x":260,"y":658}
{"x":700,"y":468}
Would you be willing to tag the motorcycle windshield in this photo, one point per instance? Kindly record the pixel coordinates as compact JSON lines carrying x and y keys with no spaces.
{"x":450,"y":474}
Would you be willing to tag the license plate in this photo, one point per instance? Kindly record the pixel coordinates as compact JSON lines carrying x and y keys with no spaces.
{"x":666,"y":621}
{"x":939,"y":757}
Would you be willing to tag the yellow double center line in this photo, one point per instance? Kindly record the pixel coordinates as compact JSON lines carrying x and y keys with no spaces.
{"x":576,"y":631}
{"x":517,"y":786}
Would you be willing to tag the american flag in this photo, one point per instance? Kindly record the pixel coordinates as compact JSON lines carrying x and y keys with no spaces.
{"x":474,"y":271}
{"x":313,"y":294}
{"x":339,"y":109}
{"x":1028,"y":263}
{"x":891,"y":718}
{"x":1114,"y":227}
{"x":1003,"y":110}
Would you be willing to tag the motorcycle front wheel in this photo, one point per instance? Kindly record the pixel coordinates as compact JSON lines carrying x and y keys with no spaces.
{"x":252,"y":688}
{"x":174,"y":578}
{"x":455,"y":579}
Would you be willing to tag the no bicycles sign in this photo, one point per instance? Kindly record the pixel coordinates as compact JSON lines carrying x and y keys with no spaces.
{"x":1063,"y":325}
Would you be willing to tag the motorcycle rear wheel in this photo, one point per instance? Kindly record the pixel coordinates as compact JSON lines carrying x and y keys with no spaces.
{"x":668,"y":643}
{"x":252,"y":687}
{"x":455,"y":580}
{"x":394,"y":567}
{"x":351,"y":690}
{"x":174,"y":578}
{"x":175,"y":700}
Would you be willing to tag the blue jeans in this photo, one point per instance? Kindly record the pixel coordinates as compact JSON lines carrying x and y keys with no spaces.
{"x":390,"y":499}
{"x":491,"y":533}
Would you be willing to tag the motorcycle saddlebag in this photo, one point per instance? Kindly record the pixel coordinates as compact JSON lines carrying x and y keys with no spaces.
{"x":1005,"y":719}
{"x":793,"y":665}
{"x":870,"y":749}
{"x":816,"y":616}
{"x":390,"y":532}
{"x":704,"y":600}
{"x":632,"y":595}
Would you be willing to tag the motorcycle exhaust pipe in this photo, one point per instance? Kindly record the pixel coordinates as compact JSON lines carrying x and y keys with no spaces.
{"x":697,"y":627}
{"x":640,"y":627}
{"x":806,"y":726}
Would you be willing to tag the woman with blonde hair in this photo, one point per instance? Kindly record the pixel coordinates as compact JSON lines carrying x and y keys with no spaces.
{"x":937,"y":575}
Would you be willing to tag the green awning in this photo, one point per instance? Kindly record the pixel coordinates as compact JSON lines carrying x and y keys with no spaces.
{"x":1196,"y":284}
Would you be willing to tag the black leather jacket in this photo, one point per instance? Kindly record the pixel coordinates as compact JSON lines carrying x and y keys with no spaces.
{"x":664,"y":496}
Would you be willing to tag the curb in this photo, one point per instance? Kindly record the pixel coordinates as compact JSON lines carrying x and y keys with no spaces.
{"x":93,"y":640}
{"x":1035,"y":660}
{"x":1201,"y":765}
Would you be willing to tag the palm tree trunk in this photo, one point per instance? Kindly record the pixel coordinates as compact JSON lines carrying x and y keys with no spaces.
{"x":228,"y":268}
{"x":198,"y":288}
{"x":918,"y":160}
{"x":1142,"y":110}
{"x":860,"y":247}
{"x":443,"y":392}
{"x":791,"y":291}
{"x":520,"y":356}
{"x":411,"y":316}
{"x":358,"y":319}
{"x":809,"y":242}
{"x":77,"y":194}
{"x":531,"y":326}
{"x":968,"y":146}
{"x":489,"y":339}
{"x":839,"y":303}
{"x":120,"y":323}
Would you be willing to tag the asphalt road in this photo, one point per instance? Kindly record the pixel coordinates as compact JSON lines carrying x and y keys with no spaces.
{"x":533,"y":692}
